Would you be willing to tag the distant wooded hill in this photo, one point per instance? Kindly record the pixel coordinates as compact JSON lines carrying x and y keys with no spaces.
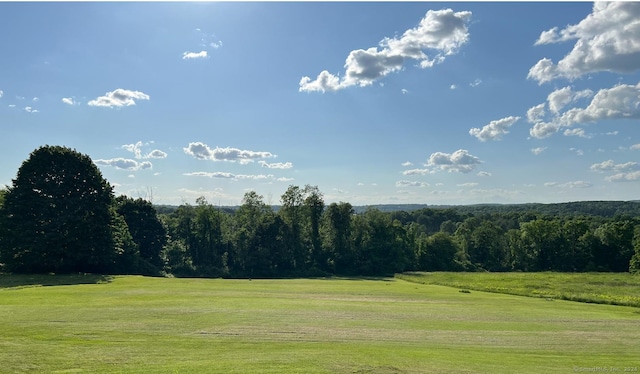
{"x":607,"y":209}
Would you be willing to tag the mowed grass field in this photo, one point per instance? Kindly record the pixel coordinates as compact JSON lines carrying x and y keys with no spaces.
{"x":131,"y":324}
{"x":600,"y":288}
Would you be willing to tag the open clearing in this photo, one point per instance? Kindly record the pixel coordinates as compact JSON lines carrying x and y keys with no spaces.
{"x":137,"y":324}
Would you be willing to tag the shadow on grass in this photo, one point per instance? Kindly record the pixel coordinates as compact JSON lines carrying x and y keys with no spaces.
{"x":35,"y":280}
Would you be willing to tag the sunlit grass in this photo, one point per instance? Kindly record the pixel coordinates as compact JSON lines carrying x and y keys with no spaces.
{"x":163,"y":325}
{"x":600,"y":288}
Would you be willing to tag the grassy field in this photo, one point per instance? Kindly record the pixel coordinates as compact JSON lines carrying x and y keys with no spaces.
{"x":600,"y":288}
{"x":91,"y":324}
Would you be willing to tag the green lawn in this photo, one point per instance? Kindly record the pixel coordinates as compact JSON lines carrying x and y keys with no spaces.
{"x":88,"y":324}
{"x":601,"y":288}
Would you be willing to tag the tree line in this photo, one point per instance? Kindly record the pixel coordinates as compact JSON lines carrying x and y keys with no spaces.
{"x":60,"y":215}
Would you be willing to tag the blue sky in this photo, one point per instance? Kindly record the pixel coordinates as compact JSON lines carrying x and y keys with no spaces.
{"x":375,"y":103}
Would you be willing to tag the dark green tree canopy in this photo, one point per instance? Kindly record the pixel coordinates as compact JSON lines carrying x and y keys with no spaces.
{"x":146,"y":229}
{"x":56,"y":216}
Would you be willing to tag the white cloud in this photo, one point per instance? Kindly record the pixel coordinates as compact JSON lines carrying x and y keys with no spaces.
{"x":536,"y":113}
{"x":137,"y":151}
{"x":276,"y":165}
{"x":156,"y":153}
{"x":635,"y":147}
{"x":484,"y":174}
{"x":404,"y":91}
{"x":118,"y":98}
{"x":134,"y":148}
{"x":495,"y":129}
{"x":202,"y":151}
{"x":225,"y":175}
{"x":460,"y":161}
{"x":468,"y":184}
{"x":68,"y":101}
{"x":194,"y":55}
{"x":417,"y":172}
{"x":453,"y":87}
{"x":609,"y":165}
{"x":578,"y":152}
{"x":558,"y":99}
{"x":125,"y":164}
{"x":571,"y":185}
{"x":406,"y":183}
{"x":624,"y":177}
{"x":30,"y":109}
{"x":408,"y":163}
{"x":476,"y":83}
{"x":442,"y":31}
{"x":618,"y":102}
{"x":543,"y":130}
{"x":1,"y":93}
{"x":576,"y":132}
{"x":606,"y":40}
{"x":538,"y":150}
{"x":35,"y":99}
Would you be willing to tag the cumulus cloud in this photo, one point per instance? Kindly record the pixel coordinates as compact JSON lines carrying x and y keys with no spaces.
{"x":194,"y":55}
{"x":136,"y":149}
{"x":156,"y":153}
{"x":624,"y":177}
{"x":68,"y":101}
{"x":1,"y":93}
{"x":202,"y":151}
{"x":276,"y":165}
{"x":125,"y":164}
{"x":118,"y":98}
{"x":30,"y":109}
{"x":484,"y":174}
{"x":460,"y":161}
{"x":536,"y":114}
{"x":495,"y":129}
{"x":608,"y":39}
{"x":618,"y":102}
{"x":406,"y":183}
{"x":610,"y":165}
{"x":442,"y":31}
{"x":635,"y":147}
{"x":558,"y":99}
{"x":409,"y":163}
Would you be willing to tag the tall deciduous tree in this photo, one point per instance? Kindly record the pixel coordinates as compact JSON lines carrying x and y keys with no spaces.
{"x":146,"y":229}
{"x":57,"y":215}
{"x":314,"y":207}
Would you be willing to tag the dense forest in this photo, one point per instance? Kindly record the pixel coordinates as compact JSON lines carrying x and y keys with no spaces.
{"x":60,"y":216}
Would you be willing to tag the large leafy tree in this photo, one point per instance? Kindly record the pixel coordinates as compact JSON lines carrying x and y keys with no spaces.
{"x":146,"y":229}
{"x":56,"y":215}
